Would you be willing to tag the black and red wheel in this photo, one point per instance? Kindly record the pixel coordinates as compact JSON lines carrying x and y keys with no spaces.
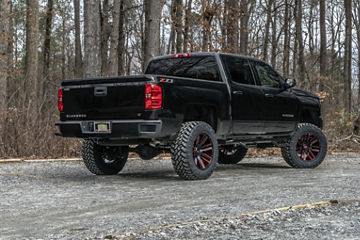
{"x":203,"y":151}
{"x":231,"y":154}
{"x":194,"y":152}
{"x":306,"y":148}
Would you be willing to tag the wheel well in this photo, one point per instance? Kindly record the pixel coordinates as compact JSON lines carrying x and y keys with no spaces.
{"x":201,"y":113}
{"x":308,"y":116}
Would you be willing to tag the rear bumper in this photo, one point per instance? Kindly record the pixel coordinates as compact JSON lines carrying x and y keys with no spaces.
{"x":119,"y":129}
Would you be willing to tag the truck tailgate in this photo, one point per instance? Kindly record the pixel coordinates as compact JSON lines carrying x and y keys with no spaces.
{"x":104,"y":98}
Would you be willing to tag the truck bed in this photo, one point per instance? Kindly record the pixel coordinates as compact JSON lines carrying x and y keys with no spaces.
{"x":104,"y":98}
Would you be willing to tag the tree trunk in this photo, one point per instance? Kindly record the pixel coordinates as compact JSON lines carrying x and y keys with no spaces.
{"x":105,"y":35}
{"x":233,"y":26}
{"x":286,"y":62}
{"x":188,"y":17}
{"x":121,"y":46}
{"x":348,"y":55}
{"x":113,"y":59}
{"x":92,"y":58}
{"x":358,"y":45}
{"x":5,"y":11}
{"x":311,"y":28}
{"x":63,"y":46}
{"x":244,"y":19}
{"x":299,"y":40}
{"x":295,"y":47}
{"x":274,"y":43}
{"x":171,"y":46}
{"x":47,"y":46}
{"x":10,"y":55}
{"x":31,"y":59}
{"x":153,"y":9}
{"x":207,"y":16}
{"x":323,"y":53}
{"x":267,"y":29}
{"x":178,"y":25}
{"x":224,"y":27}
{"x":78,"y":53}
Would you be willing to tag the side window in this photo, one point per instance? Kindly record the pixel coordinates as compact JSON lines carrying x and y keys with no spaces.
{"x":238,"y":69}
{"x":267,"y":76}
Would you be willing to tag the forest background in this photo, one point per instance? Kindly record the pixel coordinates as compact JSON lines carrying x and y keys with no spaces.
{"x":43,"y":42}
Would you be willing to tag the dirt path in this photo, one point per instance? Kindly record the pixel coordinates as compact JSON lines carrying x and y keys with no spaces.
{"x":63,"y":200}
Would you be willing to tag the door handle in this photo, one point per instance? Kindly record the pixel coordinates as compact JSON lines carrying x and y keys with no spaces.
{"x":269,"y":95}
{"x":100,"y":91}
{"x":238,"y":92}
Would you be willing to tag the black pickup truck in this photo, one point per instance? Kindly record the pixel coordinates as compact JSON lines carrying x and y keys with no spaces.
{"x":203,"y":108}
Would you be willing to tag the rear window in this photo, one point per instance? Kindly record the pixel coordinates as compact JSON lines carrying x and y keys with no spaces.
{"x":191,"y":67}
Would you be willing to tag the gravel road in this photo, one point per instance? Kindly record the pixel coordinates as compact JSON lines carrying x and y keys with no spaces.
{"x":62,"y":200}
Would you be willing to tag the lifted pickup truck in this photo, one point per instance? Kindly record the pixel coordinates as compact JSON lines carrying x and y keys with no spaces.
{"x":203,"y":108}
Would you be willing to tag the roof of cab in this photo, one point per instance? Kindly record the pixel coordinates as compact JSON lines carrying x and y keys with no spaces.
{"x":199,"y":54}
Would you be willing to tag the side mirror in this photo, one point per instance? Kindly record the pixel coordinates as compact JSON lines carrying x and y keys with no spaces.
{"x":290,"y":82}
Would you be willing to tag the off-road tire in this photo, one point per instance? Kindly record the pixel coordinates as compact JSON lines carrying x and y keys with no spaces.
{"x":234,"y":158}
{"x":95,"y":161}
{"x":290,"y":154}
{"x":182,"y":151}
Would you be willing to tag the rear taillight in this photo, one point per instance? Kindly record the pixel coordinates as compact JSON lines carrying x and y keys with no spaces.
{"x":153,"y":97}
{"x":60,"y":100}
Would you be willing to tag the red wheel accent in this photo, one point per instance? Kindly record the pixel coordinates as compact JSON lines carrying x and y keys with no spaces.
{"x":202,"y":151}
{"x":308,"y":147}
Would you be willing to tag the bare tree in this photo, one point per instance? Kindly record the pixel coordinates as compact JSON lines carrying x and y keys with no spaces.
{"x":113,"y":59}
{"x":178,"y":24}
{"x":121,"y":43}
{"x":224,"y":26}
{"x":153,"y":9}
{"x":4,"y":41}
{"x":171,"y":46}
{"x":323,"y":52}
{"x":348,"y":55}
{"x":299,"y":40}
{"x":188,"y":17}
{"x":233,"y":26}
{"x":31,"y":59}
{"x":274,"y":41}
{"x":47,"y":45}
{"x":92,"y":58}
{"x":208,"y":12}
{"x":357,"y":26}
{"x":267,"y":29}
{"x":244,"y":20}
{"x":105,"y":35}
{"x":310,"y":26}
{"x":78,"y":53}
{"x":286,"y":61}
{"x":63,"y":44}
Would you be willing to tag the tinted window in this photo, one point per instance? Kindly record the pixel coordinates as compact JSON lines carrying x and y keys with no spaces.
{"x":238,"y":69}
{"x":267,"y":76}
{"x":192,"y":67}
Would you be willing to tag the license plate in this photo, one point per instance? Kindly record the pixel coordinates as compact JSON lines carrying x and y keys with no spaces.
{"x":102,"y":127}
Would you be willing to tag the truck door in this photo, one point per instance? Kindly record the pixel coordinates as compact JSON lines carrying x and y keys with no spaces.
{"x":245,"y":95}
{"x":280,"y":105}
